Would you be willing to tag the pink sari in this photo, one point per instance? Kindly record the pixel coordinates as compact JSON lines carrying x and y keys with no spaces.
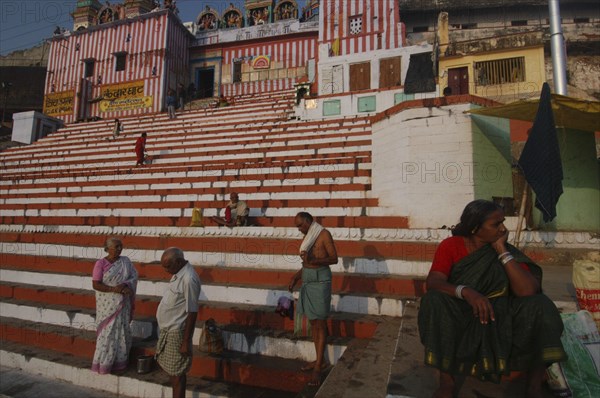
{"x":114,"y":312}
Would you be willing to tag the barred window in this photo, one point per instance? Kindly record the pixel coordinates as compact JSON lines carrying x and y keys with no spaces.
{"x":509,"y":70}
{"x":356,"y":24}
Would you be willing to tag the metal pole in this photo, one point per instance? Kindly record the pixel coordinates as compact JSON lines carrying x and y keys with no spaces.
{"x":557,"y":46}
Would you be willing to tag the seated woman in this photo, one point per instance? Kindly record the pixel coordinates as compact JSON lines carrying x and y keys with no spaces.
{"x":483,"y":314}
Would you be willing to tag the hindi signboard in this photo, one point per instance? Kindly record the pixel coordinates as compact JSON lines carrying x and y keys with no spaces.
{"x":58,"y":104}
{"x":124,"y":97}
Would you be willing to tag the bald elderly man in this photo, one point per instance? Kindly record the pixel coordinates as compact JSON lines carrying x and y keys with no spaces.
{"x":176,"y":316}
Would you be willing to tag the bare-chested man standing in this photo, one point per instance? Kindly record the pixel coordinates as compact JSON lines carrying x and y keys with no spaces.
{"x":318,"y":253}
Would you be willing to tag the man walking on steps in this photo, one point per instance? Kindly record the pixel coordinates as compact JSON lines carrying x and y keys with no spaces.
{"x":176,"y":316}
{"x":317,"y":252}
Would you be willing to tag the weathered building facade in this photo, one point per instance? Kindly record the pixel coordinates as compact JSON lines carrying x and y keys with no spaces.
{"x":119,"y":68}
{"x":478,"y":21}
{"x":122,"y":59}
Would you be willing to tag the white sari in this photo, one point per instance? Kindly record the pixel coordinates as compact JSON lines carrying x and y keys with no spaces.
{"x":114,"y":312}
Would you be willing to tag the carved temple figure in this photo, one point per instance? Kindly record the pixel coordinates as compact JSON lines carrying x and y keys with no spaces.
{"x":106,"y":15}
{"x":286,"y":10}
{"x":259,"y":16}
{"x":232,"y":17}
{"x":208,"y":19}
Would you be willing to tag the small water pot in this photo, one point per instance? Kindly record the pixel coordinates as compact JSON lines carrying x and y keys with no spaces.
{"x":144,"y":364}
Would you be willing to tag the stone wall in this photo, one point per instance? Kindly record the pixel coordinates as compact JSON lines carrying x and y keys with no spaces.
{"x":35,"y":56}
{"x":425,"y":167}
{"x":583,"y":75}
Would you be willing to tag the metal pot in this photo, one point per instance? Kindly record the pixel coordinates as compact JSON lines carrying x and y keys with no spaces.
{"x":145,"y":363}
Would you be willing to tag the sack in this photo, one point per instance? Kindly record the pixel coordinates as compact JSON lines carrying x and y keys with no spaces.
{"x":211,"y":339}
{"x":301,"y":325}
{"x":586,"y":279}
{"x":285,"y":307}
{"x":197,"y":218}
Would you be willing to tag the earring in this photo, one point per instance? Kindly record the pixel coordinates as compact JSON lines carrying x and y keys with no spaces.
{"x":473,"y":231}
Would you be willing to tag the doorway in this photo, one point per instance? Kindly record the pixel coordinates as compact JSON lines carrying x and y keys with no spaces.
{"x":205,"y":77}
{"x":458,"y":80}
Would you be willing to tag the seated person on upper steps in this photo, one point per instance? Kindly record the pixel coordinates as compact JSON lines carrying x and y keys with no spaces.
{"x":236,"y":213}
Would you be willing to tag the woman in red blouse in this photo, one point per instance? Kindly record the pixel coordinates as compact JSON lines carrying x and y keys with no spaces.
{"x":483,"y":314}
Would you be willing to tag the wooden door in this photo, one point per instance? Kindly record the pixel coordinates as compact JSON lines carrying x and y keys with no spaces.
{"x":458,"y":80}
{"x":389,"y":72}
{"x":360,"y":76}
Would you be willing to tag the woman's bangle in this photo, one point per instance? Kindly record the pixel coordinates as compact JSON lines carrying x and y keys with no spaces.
{"x":507,"y":259}
{"x":458,"y":291}
{"x":503,"y":255}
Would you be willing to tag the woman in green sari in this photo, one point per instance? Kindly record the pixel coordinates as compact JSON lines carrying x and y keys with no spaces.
{"x":483,"y":314}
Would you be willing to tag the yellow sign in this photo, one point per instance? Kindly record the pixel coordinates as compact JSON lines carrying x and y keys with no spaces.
{"x":112,"y":92}
{"x":57,"y":104}
{"x":126,"y":104}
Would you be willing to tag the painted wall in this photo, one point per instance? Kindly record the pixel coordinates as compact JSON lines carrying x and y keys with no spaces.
{"x":156,"y":46}
{"x":424,"y":164}
{"x":354,"y":104}
{"x":432,"y":161}
{"x":507,"y":92}
{"x":492,"y":157}
{"x":334,"y":72}
{"x":578,"y":208}
{"x":581,"y":183}
{"x":379,"y":21}
{"x":288,"y":58}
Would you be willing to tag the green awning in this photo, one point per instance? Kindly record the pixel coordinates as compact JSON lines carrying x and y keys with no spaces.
{"x":568,"y":112}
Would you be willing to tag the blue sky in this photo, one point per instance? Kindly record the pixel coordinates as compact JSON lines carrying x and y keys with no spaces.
{"x":26,"y":23}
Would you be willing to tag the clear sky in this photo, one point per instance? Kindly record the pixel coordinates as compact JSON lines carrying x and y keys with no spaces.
{"x":26,"y":23}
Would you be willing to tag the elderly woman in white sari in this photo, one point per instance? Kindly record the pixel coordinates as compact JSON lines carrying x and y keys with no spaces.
{"x":114,"y":279}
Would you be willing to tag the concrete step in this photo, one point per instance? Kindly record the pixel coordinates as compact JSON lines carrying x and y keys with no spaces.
{"x":240,"y":338}
{"x":52,"y":222}
{"x":194,"y":136}
{"x":343,"y":284}
{"x":245,"y":316}
{"x":182,"y":168}
{"x":76,"y":370}
{"x":255,"y":281}
{"x":210,"y":170}
{"x":229,"y":366}
{"x":381,"y":251}
{"x":205,"y":199}
{"x":189,"y":142}
{"x":355,"y":302}
{"x":174,"y":180}
{"x":142,"y":327}
{"x":17,"y":383}
{"x":168,"y":155}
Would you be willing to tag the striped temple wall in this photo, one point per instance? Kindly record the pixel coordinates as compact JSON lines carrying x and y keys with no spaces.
{"x":289,"y":58}
{"x":156,"y":47}
{"x":379,"y":22}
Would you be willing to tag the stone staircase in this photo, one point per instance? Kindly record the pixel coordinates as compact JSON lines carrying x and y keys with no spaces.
{"x":63,"y":195}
